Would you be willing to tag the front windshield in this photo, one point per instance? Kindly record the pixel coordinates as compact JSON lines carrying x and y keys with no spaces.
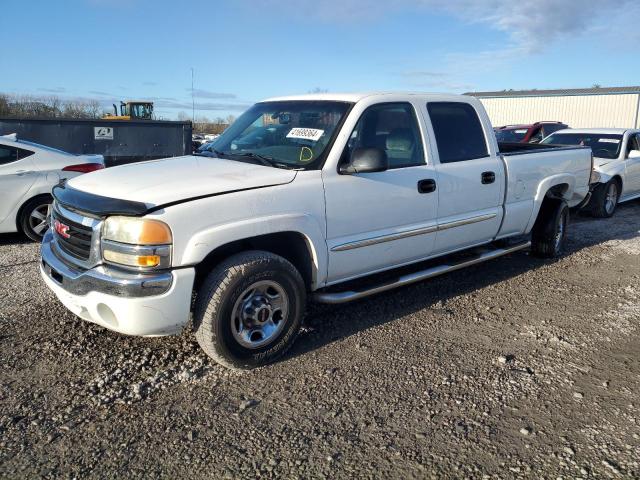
{"x":511,"y":135}
{"x":293,"y":134}
{"x":602,"y":146}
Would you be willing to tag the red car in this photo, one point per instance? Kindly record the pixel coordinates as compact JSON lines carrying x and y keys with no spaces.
{"x":531,"y":133}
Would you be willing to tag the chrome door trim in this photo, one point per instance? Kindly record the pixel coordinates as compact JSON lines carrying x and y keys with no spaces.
{"x":385,"y":238}
{"x":466,"y":221}
{"x":411,"y":233}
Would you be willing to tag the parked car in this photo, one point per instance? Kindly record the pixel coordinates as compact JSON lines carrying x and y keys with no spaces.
{"x":617,"y":164}
{"x":197,"y":140}
{"x":531,"y":133}
{"x":28,"y":172}
{"x":360,"y":184}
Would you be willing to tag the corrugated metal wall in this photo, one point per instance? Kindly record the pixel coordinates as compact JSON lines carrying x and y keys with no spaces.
{"x":583,"y":111}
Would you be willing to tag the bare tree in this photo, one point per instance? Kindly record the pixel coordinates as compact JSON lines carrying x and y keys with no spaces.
{"x":27,"y":106}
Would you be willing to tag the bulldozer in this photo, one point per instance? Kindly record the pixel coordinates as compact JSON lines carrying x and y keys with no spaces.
{"x":131,"y":110}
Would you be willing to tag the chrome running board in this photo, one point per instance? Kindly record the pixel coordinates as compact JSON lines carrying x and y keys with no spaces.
{"x":407,"y":279}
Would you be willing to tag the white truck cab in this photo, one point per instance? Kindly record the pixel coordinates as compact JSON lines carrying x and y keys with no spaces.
{"x":320,"y":196}
{"x":616,"y":154}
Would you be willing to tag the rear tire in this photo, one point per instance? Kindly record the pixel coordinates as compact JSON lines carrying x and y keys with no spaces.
{"x":33,"y":217}
{"x":249,"y":310}
{"x":605,"y":199}
{"x":550,"y":230}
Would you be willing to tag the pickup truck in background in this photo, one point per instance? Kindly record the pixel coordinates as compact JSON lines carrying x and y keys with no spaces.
{"x":338,"y":196}
{"x":532,"y":133}
{"x":616,"y":154}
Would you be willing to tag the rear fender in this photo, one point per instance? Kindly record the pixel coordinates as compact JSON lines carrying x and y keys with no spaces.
{"x":560,"y":186}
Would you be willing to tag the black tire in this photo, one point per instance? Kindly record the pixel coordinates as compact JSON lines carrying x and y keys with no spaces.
{"x":220,"y":333}
{"x":605,"y":199}
{"x":32,"y":226}
{"x":550,"y":230}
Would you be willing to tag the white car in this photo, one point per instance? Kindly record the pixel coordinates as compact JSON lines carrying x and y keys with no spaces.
{"x":28,"y":172}
{"x":351,"y":186}
{"x":616,"y":154}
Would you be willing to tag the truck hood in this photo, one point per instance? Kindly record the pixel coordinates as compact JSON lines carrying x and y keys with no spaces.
{"x":170,"y":180}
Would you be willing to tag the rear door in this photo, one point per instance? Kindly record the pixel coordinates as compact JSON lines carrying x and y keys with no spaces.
{"x":471,"y":178}
{"x":16,"y":177}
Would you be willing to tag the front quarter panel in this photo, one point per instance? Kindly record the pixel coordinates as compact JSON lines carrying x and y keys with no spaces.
{"x":201,"y":226}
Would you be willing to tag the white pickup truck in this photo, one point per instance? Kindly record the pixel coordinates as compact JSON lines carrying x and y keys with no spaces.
{"x":316,"y":196}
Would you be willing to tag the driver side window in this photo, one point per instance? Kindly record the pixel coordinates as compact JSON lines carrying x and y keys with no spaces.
{"x":634,"y":143}
{"x":392,"y":128}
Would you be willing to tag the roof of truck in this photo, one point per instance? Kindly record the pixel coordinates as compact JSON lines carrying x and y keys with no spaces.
{"x":355,"y":97}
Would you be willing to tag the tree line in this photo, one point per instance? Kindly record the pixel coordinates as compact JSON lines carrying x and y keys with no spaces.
{"x":29,"y":106}
{"x":203,"y":124}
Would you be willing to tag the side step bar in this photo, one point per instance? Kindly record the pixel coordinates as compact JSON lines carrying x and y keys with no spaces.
{"x":349,"y":296}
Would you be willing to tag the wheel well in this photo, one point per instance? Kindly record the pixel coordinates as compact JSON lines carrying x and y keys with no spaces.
{"x":24,"y":204}
{"x":290,"y":245}
{"x":618,"y":180}
{"x":557,"y":192}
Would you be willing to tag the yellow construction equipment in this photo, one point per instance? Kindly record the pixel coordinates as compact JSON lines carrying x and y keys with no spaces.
{"x":131,"y":110}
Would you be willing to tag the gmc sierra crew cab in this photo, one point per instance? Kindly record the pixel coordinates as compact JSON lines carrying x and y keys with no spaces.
{"x":327,"y":197}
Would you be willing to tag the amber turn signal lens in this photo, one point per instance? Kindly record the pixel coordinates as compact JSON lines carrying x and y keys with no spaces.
{"x":149,"y":260}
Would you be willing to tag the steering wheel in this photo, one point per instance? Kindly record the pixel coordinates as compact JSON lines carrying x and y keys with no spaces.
{"x":601,"y":150}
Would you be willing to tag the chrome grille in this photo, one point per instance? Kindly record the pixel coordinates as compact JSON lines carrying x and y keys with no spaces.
{"x":81,"y":247}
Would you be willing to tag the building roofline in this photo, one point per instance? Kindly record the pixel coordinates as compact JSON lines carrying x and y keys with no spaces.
{"x":631,"y":90}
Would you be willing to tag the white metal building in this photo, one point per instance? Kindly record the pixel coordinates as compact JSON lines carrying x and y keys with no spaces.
{"x":615,"y":107}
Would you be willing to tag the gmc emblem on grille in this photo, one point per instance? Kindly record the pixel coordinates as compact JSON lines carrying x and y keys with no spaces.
{"x":61,"y":229}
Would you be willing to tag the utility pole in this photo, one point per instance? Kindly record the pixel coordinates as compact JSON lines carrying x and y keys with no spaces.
{"x":193,"y":102}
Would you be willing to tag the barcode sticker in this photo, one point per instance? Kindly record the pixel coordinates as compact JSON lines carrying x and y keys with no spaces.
{"x":312,"y":134}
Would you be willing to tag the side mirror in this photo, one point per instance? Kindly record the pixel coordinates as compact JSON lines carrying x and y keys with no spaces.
{"x":366,"y":160}
{"x":634,"y":154}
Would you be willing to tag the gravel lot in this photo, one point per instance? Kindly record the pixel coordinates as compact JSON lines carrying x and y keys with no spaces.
{"x":515,"y":368}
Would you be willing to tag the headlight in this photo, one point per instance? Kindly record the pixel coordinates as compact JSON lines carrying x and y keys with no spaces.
{"x":595,"y":177}
{"x":136,"y":242}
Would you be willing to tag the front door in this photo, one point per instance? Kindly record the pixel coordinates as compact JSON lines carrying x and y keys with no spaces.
{"x":632,"y":167}
{"x":379,"y":220}
{"x":471,"y":180}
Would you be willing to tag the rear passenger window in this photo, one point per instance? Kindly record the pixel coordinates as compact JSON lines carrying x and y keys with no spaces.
{"x":392,"y":127}
{"x":22,"y":153}
{"x":458,"y":131}
{"x":8,"y":154}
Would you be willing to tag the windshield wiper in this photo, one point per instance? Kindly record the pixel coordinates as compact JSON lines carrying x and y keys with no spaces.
{"x":263,"y":159}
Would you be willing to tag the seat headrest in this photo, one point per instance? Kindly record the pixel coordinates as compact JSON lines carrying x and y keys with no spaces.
{"x":400,"y":139}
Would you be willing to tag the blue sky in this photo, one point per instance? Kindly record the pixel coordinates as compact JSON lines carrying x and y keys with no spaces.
{"x":247,"y":50}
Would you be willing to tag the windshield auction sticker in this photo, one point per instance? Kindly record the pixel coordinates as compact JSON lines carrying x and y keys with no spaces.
{"x":312,"y":134}
{"x":609,"y":140}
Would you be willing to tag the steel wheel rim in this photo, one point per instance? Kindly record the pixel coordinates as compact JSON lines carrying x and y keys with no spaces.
{"x":259,"y":314}
{"x":38,"y":218}
{"x":611,"y":199}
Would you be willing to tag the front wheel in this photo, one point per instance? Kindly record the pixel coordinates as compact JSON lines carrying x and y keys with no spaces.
{"x":605,"y":199}
{"x":249,"y":309}
{"x":33,"y":217}
{"x":550,"y":230}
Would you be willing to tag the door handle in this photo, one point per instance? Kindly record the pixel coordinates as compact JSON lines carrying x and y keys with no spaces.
{"x":488,"y":177}
{"x":427,"y":186}
{"x":20,"y":173}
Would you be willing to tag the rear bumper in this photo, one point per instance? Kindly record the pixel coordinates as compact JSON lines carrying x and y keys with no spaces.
{"x":133,"y":304}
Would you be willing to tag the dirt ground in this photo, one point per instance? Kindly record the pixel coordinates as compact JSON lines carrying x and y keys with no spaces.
{"x":515,"y":368}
